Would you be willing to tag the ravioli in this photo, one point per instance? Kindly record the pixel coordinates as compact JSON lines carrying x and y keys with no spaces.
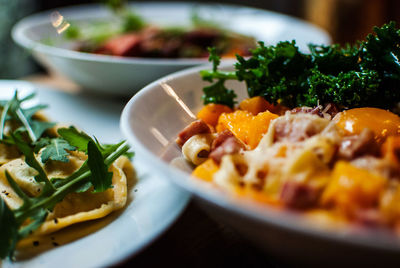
{"x":75,"y":207}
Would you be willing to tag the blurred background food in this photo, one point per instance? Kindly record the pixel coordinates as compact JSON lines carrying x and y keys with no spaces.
{"x":345,"y":20}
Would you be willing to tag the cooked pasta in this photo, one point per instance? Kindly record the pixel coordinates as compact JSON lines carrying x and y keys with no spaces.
{"x":335,"y":167}
{"x":197,"y":148}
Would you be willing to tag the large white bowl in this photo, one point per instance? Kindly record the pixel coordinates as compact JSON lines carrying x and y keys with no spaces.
{"x":125,"y":76}
{"x":151,"y":121}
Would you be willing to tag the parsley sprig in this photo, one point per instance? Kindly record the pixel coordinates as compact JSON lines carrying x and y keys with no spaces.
{"x":15,"y":224}
{"x":365,"y":74}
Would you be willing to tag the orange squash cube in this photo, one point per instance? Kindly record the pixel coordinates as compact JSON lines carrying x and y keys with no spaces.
{"x":211,"y":112}
{"x":245,"y":126}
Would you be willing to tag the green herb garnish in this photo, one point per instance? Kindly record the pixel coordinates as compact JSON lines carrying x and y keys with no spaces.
{"x":365,"y":74}
{"x":15,"y":224}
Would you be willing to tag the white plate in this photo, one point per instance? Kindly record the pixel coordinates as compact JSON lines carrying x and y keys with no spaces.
{"x":155,"y":205}
{"x":151,"y":122}
{"x":125,"y":76}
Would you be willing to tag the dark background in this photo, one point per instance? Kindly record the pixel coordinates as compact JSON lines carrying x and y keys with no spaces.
{"x":345,"y":20}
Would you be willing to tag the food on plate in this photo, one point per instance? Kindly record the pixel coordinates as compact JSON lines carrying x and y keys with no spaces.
{"x":319,"y":132}
{"x":136,"y":38}
{"x":52,"y":176}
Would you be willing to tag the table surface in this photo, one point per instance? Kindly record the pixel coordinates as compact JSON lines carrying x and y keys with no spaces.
{"x":195,"y":238}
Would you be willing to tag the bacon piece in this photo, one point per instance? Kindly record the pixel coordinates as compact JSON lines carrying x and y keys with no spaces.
{"x":331,"y":109}
{"x":308,"y":110}
{"x":296,"y":130}
{"x":358,"y":145}
{"x":231,"y":145}
{"x":201,"y":37}
{"x":196,"y":127}
{"x":368,"y":217}
{"x":298,"y":195}
{"x":221,"y":138}
{"x":124,"y":45}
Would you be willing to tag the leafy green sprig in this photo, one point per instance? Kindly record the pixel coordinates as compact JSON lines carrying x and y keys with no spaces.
{"x":19,"y":223}
{"x":365,"y":74}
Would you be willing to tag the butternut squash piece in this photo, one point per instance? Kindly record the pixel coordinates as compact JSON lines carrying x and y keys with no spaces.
{"x":352,"y":188}
{"x":206,"y":170}
{"x":211,"y":112}
{"x":254,"y":105}
{"x":245,"y":126}
{"x":258,"y":104}
{"x":391,"y":149}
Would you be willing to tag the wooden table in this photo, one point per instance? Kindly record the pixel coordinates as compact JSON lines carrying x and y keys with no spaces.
{"x":195,"y":239}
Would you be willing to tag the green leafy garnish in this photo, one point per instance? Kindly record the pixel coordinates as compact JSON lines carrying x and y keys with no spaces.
{"x":8,"y":230}
{"x":365,"y":74}
{"x":54,"y":149}
{"x":72,"y":32}
{"x":13,"y":112}
{"x":101,"y":178}
{"x":16,"y":224}
{"x":74,"y":137}
{"x":217,"y":93}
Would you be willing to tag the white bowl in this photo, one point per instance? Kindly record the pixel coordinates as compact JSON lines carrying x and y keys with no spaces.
{"x":125,"y":76}
{"x":151,"y":121}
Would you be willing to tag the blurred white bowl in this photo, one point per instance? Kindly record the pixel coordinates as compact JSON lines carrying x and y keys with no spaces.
{"x":125,"y":76}
{"x":152,"y":120}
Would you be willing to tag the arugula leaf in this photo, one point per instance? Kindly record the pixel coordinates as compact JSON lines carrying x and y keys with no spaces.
{"x":39,"y":127}
{"x":101,"y":178}
{"x":12,"y":110}
{"x":32,"y":162}
{"x":31,"y":111}
{"x":56,"y":150}
{"x":8,"y":230}
{"x":3,"y":119}
{"x":84,"y":187}
{"x":37,"y":218}
{"x":75,"y":138}
{"x":107,"y":149}
{"x":42,"y":142}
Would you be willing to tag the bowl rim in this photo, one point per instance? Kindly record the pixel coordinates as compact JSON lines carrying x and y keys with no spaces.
{"x":285,"y":219}
{"x":39,"y":18}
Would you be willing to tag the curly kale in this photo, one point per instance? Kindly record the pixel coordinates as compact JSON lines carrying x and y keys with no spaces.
{"x":365,"y":74}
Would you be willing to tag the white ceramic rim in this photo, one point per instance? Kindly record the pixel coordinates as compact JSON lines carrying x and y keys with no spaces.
{"x":144,"y":240}
{"x":287,"y":220}
{"x":18,"y":30}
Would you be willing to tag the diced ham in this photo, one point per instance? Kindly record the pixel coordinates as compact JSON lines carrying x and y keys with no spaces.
{"x":368,"y":217}
{"x":123,"y":45}
{"x":231,"y":145}
{"x":298,"y":195}
{"x":202,"y":37}
{"x":196,"y":127}
{"x":294,"y":130}
{"x":358,"y":145}
{"x":329,"y":111}
{"x":307,"y":110}
{"x":221,"y":138}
